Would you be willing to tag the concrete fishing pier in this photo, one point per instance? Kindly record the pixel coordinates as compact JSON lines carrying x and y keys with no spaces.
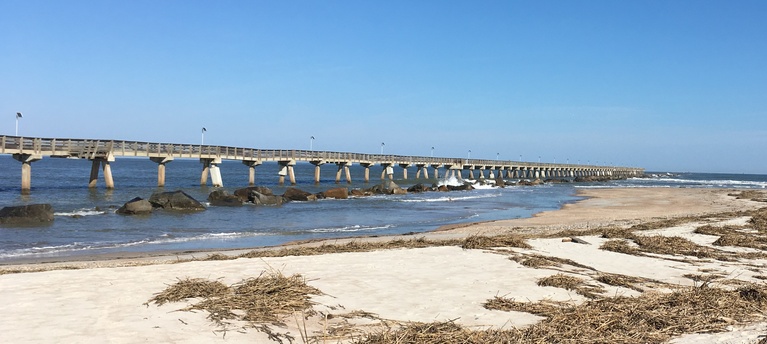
{"x":102,"y":153}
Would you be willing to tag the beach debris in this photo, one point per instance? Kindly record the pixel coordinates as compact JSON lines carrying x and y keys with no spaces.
{"x":31,"y":214}
{"x":267,"y":299}
{"x":573,"y":283}
{"x":483,"y":242}
{"x":651,"y":317}
{"x":136,"y":206}
{"x":579,"y":241}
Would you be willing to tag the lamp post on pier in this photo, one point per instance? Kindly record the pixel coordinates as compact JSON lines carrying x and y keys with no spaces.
{"x":202,"y":140}
{"x":311,"y":143}
{"x":432,"y":151}
{"x":468,"y":157}
{"x":382,"y":146}
{"x":18,"y":115}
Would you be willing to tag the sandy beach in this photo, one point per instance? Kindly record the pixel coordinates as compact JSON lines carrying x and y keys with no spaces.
{"x":107,"y":300}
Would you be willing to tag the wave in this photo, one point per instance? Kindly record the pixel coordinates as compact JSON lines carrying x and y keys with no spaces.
{"x":353,"y":228}
{"x":79,"y":247}
{"x":449,"y":198}
{"x":81,"y":212}
{"x":722,"y":183}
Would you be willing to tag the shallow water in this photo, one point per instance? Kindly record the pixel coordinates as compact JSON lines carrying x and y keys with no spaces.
{"x":85,"y":222}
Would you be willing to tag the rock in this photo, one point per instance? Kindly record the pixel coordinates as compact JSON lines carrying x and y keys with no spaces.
{"x":464,"y":187}
{"x":32,"y":214}
{"x":418,"y":188}
{"x":245,"y":194}
{"x":222,"y":198}
{"x":294,"y":194}
{"x":359,"y":193}
{"x":499,"y":182}
{"x":175,"y":200}
{"x":337,"y":193}
{"x":443,"y":188}
{"x":136,"y":206}
{"x":261,"y":199}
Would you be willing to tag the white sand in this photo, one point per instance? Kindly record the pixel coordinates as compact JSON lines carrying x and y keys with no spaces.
{"x":97,"y":305}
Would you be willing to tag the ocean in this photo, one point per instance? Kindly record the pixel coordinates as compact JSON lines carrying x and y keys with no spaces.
{"x":86,"y":223}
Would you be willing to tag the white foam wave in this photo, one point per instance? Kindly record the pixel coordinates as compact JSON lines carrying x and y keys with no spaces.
{"x":449,"y":198}
{"x":354,"y":228}
{"x":81,"y":212}
{"x":75,"y":247}
{"x":451,"y":181}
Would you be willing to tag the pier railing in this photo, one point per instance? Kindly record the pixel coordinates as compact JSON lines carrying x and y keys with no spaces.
{"x":100,"y":149}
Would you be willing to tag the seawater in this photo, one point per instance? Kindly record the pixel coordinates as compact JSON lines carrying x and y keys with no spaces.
{"x":86,"y":224}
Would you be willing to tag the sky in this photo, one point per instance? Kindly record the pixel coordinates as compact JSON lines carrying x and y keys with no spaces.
{"x":663,"y":85}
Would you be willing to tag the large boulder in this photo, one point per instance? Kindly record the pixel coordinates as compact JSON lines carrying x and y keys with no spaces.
{"x":246,"y":194}
{"x":294,"y":194}
{"x":464,"y":187}
{"x":261,"y":199}
{"x":175,"y":200}
{"x":360,"y":193}
{"x":337,"y":193}
{"x":136,"y":206}
{"x":222,"y":198}
{"x":32,"y":214}
{"x":418,"y":188}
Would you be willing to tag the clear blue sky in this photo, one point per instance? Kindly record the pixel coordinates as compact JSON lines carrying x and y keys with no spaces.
{"x":665,"y":85}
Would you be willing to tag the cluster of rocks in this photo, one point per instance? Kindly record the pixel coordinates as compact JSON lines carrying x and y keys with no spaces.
{"x":35,"y":214}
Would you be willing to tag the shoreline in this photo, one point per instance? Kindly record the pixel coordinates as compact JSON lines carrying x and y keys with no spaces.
{"x":366,"y":291}
{"x":545,"y":221}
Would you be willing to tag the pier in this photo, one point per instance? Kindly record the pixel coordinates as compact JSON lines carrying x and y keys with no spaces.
{"x":101,"y":153}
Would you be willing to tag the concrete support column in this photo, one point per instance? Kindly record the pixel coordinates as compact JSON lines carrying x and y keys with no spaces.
{"x":492,"y":174}
{"x":343,"y":166}
{"x":215,"y":176}
{"x":161,"y":161}
{"x":387,"y":170}
{"x":338,"y":172}
{"x":422,"y":168}
{"x":104,"y":164}
{"x":366,"y":165}
{"x":317,"y":164}
{"x":205,"y":170}
{"x":286,"y":169}
{"x":436,"y":171}
{"x":471,"y":173}
{"x":481,"y":173}
{"x":404,"y":170}
{"x":251,"y":170}
{"x":210,"y":166}
{"x":94,"y":178}
{"x":26,"y":170}
{"x":110,"y":184}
